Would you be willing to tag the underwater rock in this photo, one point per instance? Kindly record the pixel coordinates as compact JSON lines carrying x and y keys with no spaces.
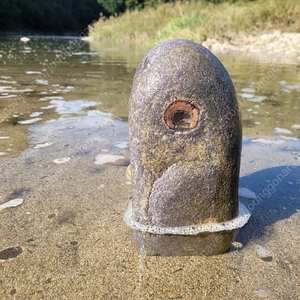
{"x":10,"y":253}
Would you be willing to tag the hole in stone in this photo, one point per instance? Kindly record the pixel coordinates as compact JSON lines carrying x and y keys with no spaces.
{"x":182,"y":116}
{"x":181,"y":119}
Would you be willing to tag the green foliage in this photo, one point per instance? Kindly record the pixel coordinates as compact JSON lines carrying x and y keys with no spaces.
{"x":134,"y":4}
{"x":155,"y":3}
{"x":115,"y":7}
{"x":197,"y":20}
{"x":50,"y":16}
{"x":177,"y":24}
{"x":222,"y":1}
{"x":9,"y":15}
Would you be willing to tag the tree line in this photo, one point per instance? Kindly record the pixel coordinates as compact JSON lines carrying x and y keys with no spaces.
{"x":48,"y":16}
{"x":116,"y":7}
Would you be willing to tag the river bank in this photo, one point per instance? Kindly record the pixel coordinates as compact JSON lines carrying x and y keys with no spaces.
{"x":269,"y":27}
{"x":267,"y":44}
{"x":198,"y":21}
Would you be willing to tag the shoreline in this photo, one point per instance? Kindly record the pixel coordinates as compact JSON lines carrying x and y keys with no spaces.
{"x":267,"y":44}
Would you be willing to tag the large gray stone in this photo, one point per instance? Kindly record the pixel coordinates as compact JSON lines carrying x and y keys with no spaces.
{"x":185,"y":139}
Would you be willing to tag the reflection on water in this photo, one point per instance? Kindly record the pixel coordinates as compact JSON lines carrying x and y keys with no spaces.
{"x":269,"y":95}
{"x":48,"y":87}
{"x":63,"y":157}
{"x":98,"y":78}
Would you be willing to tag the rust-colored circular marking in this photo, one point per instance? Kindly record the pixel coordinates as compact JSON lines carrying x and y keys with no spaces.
{"x":182,"y":116}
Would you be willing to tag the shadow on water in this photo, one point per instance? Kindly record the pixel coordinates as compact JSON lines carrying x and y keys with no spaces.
{"x":278,"y":198}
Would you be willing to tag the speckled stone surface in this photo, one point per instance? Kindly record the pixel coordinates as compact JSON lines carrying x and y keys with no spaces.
{"x":185,"y":138}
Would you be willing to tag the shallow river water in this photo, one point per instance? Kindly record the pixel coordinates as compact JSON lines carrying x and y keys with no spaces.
{"x":63,"y":158}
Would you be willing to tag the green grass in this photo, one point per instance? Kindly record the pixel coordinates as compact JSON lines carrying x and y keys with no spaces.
{"x":197,"y":20}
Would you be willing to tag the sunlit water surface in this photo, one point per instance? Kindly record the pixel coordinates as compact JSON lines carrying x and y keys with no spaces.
{"x":63,"y":156}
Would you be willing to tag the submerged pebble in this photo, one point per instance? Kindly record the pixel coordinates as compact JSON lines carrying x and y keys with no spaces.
{"x":107,"y":158}
{"x":61,"y":160}
{"x":11,"y":203}
{"x":122,"y":145}
{"x":43,"y":145}
{"x":261,"y":293}
{"x":237,"y":245}
{"x":263,"y":252}
{"x":10,"y":253}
